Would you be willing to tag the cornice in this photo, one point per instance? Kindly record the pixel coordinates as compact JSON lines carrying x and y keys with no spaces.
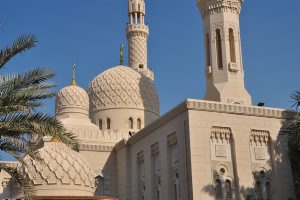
{"x":211,"y":106}
{"x":209,"y":7}
{"x":95,"y":147}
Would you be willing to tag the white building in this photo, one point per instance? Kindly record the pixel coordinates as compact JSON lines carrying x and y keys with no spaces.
{"x":221,"y":147}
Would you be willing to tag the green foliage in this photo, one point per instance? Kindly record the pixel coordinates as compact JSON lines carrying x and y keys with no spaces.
{"x":21,"y":106}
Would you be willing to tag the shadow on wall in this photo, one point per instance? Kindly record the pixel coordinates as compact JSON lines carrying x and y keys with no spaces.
{"x":264,"y":181}
{"x":104,"y":183}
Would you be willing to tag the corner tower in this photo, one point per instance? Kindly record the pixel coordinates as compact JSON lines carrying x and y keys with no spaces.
{"x":137,"y":34}
{"x":223,"y":54}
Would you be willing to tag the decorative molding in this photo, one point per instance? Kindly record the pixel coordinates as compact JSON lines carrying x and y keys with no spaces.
{"x":221,"y":151}
{"x":212,"y":106}
{"x":220,"y":134}
{"x":172,"y":140}
{"x":260,"y":153}
{"x":140,"y":157}
{"x":95,"y":147}
{"x":155,"y":149}
{"x":259,"y":137}
{"x":218,"y":173}
{"x":209,"y":7}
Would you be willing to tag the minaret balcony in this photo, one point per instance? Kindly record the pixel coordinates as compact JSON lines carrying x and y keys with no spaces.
{"x":137,"y":28}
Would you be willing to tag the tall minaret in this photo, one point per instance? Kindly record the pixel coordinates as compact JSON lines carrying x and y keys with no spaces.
{"x":224,"y":66}
{"x":137,"y":34}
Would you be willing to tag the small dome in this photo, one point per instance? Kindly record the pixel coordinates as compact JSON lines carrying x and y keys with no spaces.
{"x":61,"y":172}
{"x":72,"y":97}
{"x":123,"y":87}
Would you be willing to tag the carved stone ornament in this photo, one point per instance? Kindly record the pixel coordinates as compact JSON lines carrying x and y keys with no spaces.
{"x":260,"y":153}
{"x":220,"y":134}
{"x":221,"y":151}
{"x":259,"y":137}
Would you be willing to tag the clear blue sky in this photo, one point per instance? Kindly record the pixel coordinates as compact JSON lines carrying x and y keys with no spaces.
{"x":89,"y":34}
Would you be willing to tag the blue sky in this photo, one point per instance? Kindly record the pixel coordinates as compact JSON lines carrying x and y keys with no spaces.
{"x":89,"y":34}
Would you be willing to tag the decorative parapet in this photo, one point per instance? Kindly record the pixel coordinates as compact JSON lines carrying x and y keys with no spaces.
{"x":235,"y":109}
{"x":209,"y":7}
{"x":212,"y":106}
{"x":96,"y":147}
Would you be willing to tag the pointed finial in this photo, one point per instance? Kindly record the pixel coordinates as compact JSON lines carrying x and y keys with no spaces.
{"x":73,"y":75}
{"x":121,"y":54}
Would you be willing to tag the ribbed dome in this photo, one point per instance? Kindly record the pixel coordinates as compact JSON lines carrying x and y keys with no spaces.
{"x":123,"y":87}
{"x":61,"y":171}
{"x":72,"y":97}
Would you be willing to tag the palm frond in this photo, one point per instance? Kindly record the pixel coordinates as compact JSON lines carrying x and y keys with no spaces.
{"x":20,"y":179}
{"x":33,"y":79}
{"x":12,"y":144}
{"x":21,"y":44}
{"x":34,"y":124}
{"x":296,"y":97}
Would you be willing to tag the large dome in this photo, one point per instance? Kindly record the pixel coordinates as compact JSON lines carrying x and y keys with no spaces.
{"x":123,"y":87}
{"x":61,"y":172}
{"x":72,"y":98}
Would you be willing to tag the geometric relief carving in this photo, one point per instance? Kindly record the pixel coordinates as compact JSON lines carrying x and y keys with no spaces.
{"x":220,"y":151}
{"x":220,"y":133}
{"x":259,"y":153}
{"x":259,"y":137}
{"x":222,"y":168}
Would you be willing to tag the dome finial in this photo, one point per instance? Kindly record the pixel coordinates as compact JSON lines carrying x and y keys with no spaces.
{"x":73,"y":75}
{"x":121,"y":54}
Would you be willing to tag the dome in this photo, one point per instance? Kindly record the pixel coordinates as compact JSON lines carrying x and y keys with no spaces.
{"x":61,"y":172}
{"x":73,"y":99}
{"x":123,"y":87}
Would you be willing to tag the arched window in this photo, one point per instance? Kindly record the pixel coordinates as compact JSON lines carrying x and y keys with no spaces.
{"x":108,"y":123}
{"x":100,"y":124}
{"x":269,"y":190}
{"x":208,"y":50}
{"x":258,"y":190}
{"x":228,"y":189}
{"x":219,"y":49}
{"x":232,"y":46}
{"x":130,"y":122}
{"x":139,"y":123}
{"x":219,"y":193}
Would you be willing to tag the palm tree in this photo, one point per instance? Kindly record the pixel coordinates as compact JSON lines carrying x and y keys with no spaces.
{"x":293,"y":129}
{"x":21,"y":113}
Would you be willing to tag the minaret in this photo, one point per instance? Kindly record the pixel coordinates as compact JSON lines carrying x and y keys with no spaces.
{"x":137,"y":34}
{"x":224,"y":66}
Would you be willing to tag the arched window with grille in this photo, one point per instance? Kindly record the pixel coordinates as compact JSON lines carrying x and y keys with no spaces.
{"x":130,"y":123}
{"x":108,"y":123}
{"x":232,"y":46}
{"x":219,"y":49}
{"x":228,"y":190}
{"x":219,"y":193}
{"x":139,"y":124}
{"x":100,"y":124}
{"x":208,"y":50}
{"x":269,"y":190}
{"x":258,"y":190}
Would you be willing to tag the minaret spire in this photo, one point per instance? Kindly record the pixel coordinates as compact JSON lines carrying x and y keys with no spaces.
{"x":224,"y":66}
{"x":121,"y":54}
{"x":73,"y":75}
{"x":137,"y":34}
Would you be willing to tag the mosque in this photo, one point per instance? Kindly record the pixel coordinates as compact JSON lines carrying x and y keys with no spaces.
{"x":222,"y":147}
